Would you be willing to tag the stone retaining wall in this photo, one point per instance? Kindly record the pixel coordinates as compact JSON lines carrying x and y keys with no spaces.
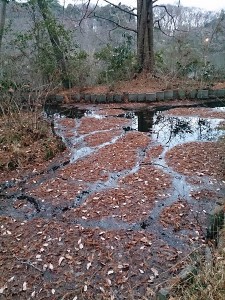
{"x":133,"y":97}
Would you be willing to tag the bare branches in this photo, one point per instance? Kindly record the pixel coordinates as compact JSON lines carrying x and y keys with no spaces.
{"x":172,"y":18}
{"x":87,"y":12}
{"x":116,"y":23}
{"x":160,"y":28}
{"x":130,"y":12}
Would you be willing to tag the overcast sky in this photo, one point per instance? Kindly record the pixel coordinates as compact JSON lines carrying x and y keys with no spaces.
{"x":205,"y":4}
{"x":213,"y":5}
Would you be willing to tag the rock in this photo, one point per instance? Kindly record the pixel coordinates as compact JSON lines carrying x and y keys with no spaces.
{"x":132,"y":97}
{"x":141,"y":97}
{"x":187,"y":273}
{"x":220,"y":93}
{"x":101,"y":98}
{"x":215,"y":222}
{"x":76,"y":97}
{"x":160,"y":96}
{"x":168,"y":95}
{"x":163,"y":294}
{"x":181,"y":94}
{"x":150,"y":97}
{"x":87,"y":97}
{"x":93,"y":98}
{"x":192,"y":94}
{"x":117,"y":98}
{"x":203,"y":94}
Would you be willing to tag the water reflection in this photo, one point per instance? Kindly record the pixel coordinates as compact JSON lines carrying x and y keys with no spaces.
{"x":171,"y":131}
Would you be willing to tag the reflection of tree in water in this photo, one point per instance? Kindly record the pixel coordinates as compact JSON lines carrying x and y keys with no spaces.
{"x":178,"y":127}
{"x":184,"y":128}
{"x":206,"y":129}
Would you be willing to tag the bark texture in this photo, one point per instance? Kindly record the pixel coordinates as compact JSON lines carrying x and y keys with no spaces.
{"x":145,"y":51}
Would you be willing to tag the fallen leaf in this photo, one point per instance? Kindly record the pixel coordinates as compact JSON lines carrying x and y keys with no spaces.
{"x":61,"y":259}
{"x":151,"y":279}
{"x":24,"y":286}
{"x":3,"y":288}
{"x":88,"y":265}
{"x":155,"y":272}
{"x":145,"y":240}
{"x":11,"y":279}
{"x":33,"y":294}
{"x":68,"y":256}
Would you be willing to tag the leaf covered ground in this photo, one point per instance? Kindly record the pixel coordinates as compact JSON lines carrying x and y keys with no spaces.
{"x":104,"y":219}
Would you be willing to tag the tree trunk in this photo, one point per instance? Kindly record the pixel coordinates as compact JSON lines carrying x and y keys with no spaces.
{"x":2,"y":21}
{"x":145,"y":52}
{"x":59,"y":55}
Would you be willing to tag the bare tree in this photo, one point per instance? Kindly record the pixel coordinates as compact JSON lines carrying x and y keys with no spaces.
{"x":145,"y":28}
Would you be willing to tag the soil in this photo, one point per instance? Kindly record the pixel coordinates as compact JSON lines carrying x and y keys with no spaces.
{"x":115,"y":216}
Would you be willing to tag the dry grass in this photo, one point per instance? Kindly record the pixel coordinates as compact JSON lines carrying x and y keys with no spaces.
{"x":207,"y":284}
{"x":26,"y":138}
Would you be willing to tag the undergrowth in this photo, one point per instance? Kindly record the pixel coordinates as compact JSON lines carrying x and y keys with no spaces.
{"x":208,"y":283}
{"x":26,"y":137}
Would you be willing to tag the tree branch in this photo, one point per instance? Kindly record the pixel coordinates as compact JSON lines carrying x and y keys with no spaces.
{"x":171,"y":16}
{"x":87,"y":14}
{"x":163,"y":6}
{"x":160,"y":28}
{"x":117,"y":24}
{"x":130,"y":12}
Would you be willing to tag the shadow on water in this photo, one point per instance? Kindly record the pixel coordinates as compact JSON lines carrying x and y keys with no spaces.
{"x":72,"y":112}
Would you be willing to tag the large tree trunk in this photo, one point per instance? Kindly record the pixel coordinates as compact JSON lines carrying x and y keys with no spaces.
{"x":2,"y":21}
{"x":145,"y":52}
{"x":59,"y":55}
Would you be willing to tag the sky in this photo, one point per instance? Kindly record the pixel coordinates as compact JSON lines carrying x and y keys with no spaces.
{"x":213,"y":5}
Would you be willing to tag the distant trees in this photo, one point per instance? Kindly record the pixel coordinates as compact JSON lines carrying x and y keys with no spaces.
{"x":84,"y":44}
{"x":144,"y":30}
